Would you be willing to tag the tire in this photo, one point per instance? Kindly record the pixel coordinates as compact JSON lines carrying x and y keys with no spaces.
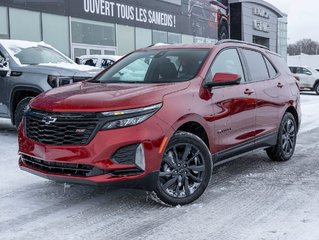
{"x":21,"y":107}
{"x":185,"y":171}
{"x":317,"y":88}
{"x":286,"y":140}
{"x":223,"y":33}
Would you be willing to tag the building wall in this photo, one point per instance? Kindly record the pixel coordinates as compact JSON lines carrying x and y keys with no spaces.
{"x":282,"y":36}
{"x":76,"y":36}
{"x":248,"y":24}
{"x":81,"y":32}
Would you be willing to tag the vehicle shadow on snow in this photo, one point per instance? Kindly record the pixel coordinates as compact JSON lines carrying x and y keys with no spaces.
{"x":113,"y":197}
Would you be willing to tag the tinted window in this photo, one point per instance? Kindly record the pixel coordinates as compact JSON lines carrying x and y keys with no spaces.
{"x":106,"y":63}
{"x":256,"y":64}
{"x":90,"y":62}
{"x":272,"y":71}
{"x":156,"y":66}
{"x":293,"y":69}
{"x":227,"y":61}
{"x":305,"y":71}
{"x":280,"y":63}
{"x":2,"y":59}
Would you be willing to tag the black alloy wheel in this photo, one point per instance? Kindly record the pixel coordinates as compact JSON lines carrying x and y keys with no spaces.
{"x":185,"y":170}
{"x":286,"y":142}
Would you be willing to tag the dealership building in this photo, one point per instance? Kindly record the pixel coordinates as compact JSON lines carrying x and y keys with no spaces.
{"x":79,"y":27}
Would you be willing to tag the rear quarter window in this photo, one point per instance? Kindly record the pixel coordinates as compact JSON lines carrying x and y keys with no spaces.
{"x":271,"y":69}
{"x":256,"y":65}
{"x":279,"y":63}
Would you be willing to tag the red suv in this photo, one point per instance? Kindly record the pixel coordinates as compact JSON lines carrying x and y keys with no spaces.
{"x":162,"y":117}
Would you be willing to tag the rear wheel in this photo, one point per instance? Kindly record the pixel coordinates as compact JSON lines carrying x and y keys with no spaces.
{"x":286,"y":140}
{"x":185,"y":170}
{"x":21,"y":107}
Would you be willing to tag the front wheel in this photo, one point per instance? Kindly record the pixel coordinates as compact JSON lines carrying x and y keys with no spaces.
{"x":317,"y":88}
{"x":286,"y":140}
{"x":185,"y":171}
{"x":21,"y":107}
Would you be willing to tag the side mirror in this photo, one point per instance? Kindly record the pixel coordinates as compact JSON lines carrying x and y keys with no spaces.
{"x":4,"y":67}
{"x":224,"y":79}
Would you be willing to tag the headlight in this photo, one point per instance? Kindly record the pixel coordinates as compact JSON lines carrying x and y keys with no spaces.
{"x":57,"y":81}
{"x":130,"y":117}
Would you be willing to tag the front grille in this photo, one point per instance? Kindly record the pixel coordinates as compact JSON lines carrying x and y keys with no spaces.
{"x":60,"y":128}
{"x":70,"y":169}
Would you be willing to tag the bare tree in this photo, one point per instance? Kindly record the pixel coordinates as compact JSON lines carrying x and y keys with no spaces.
{"x":306,"y":46}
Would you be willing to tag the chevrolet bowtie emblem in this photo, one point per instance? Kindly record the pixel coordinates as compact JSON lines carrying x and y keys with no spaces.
{"x":48,"y":120}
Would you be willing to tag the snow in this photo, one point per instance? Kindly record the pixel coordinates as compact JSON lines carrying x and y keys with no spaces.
{"x":250,"y":198}
{"x":71,"y":66}
{"x":13,"y":47}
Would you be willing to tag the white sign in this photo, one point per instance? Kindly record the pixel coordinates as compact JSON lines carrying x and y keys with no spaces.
{"x":261,"y":26}
{"x":260,"y":12}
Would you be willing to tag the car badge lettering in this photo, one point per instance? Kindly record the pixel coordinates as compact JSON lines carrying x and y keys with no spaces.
{"x":48,"y":120}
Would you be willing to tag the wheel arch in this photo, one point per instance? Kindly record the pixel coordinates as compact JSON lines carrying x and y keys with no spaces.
{"x":294,"y":112}
{"x":19,"y":93}
{"x":195,"y":128}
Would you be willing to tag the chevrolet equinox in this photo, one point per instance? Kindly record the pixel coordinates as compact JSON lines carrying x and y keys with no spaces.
{"x":162,"y":117}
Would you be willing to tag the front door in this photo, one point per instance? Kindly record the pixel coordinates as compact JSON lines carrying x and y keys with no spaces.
{"x":234,"y":107}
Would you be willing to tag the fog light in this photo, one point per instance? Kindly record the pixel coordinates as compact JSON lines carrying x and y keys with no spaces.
{"x":139,"y":157}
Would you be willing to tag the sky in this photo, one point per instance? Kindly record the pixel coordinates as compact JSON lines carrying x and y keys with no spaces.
{"x":303,"y":18}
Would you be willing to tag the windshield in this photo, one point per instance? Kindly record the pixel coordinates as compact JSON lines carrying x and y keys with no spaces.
{"x":38,"y":55}
{"x":156,"y":66}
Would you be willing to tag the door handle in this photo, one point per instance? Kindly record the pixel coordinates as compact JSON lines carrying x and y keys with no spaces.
{"x":249,"y":91}
{"x":280,"y":85}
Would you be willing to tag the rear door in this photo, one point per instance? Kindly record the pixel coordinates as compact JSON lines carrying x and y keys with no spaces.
{"x":268,"y":88}
{"x":234,"y":107}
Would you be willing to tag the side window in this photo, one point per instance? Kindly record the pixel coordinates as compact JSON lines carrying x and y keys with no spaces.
{"x":90,"y":62}
{"x":293,"y":69}
{"x":306,"y":71}
{"x":227,"y":61}
{"x":2,"y":59}
{"x":256,"y":65}
{"x":106,"y":63}
{"x":272,"y":71}
{"x":300,"y":70}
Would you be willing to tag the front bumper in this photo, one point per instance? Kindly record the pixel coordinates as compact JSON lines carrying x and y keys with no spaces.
{"x":98,"y":154}
{"x":146,"y":181}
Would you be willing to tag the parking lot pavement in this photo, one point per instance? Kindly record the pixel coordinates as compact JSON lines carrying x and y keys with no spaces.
{"x":250,"y":198}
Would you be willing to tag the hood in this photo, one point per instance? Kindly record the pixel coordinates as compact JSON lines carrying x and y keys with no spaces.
{"x":61,"y":69}
{"x":99,"y":97}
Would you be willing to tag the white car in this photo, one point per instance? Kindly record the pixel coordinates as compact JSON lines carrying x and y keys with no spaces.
{"x":309,"y":78}
{"x":100,"y":61}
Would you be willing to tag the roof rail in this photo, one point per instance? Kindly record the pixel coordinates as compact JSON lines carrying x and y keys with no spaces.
{"x":158,"y":44}
{"x":241,"y":42}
